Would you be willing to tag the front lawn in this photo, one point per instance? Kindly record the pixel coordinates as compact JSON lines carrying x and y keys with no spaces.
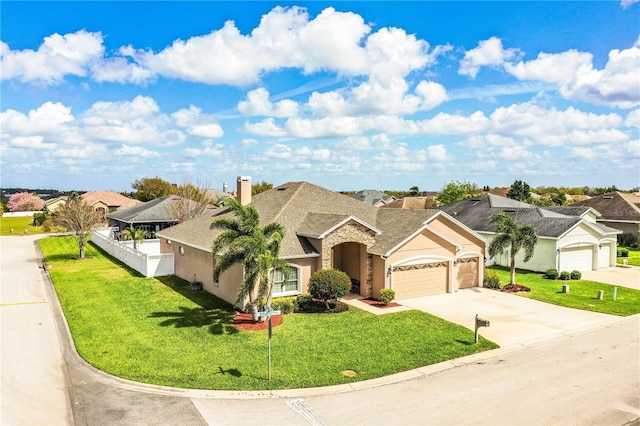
{"x":17,"y":225}
{"x":582,"y":294}
{"x":160,"y":331}
{"x":634,"y":256}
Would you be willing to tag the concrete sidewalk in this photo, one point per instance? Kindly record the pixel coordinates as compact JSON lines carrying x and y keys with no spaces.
{"x":514,"y":320}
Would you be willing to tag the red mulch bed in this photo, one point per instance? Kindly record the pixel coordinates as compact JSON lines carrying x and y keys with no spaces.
{"x":245,"y":322}
{"x":514,"y":288}
{"x":378,"y":303}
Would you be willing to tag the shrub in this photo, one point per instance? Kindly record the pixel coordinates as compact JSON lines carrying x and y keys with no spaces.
{"x":622,"y":252}
{"x":329,"y":284}
{"x":284,"y":304}
{"x":303,"y":301}
{"x":565,"y":275}
{"x":576,"y":275}
{"x":387,"y":295}
{"x":491,"y":280}
{"x":39,"y":219}
{"x":628,"y":240}
{"x":551,"y":274}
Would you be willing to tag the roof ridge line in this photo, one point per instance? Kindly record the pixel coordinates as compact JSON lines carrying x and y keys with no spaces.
{"x":284,"y":206}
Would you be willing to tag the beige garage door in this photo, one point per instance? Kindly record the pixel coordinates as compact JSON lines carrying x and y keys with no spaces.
{"x":420,"y":280}
{"x":468,"y":272}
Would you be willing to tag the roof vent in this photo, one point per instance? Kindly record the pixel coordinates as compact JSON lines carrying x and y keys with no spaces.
{"x":282,"y":188}
{"x":609,"y":197}
{"x":509,"y":211}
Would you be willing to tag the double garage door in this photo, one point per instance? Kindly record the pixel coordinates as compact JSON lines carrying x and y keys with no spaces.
{"x":432,"y":278}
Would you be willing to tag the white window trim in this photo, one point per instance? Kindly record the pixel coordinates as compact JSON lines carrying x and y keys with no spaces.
{"x":291,"y":292}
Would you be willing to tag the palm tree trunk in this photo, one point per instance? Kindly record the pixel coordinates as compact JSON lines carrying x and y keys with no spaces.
{"x":513,"y":270}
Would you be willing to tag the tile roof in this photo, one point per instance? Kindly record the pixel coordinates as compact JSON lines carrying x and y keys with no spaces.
{"x":615,"y":206}
{"x":110,"y":198}
{"x":475,"y":213}
{"x":308,"y":210}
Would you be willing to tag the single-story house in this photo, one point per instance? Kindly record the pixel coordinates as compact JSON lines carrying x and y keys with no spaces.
{"x":413,"y":252}
{"x":618,"y":210}
{"x":152,"y":216}
{"x":104,"y":202}
{"x":55,"y":203}
{"x":569,"y":238}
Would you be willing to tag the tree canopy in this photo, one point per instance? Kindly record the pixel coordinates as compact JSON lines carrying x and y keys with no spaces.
{"x":148,"y":189}
{"x":453,"y":192}
{"x":520,"y":191}
{"x":77,"y":217}
{"x":25,"y":202}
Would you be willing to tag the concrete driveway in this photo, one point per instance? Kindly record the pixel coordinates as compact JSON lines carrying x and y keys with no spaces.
{"x":625,"y":276}
{"x":514,"y":320}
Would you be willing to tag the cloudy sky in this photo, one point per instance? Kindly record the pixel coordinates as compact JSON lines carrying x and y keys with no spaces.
{"x":346,"y":95}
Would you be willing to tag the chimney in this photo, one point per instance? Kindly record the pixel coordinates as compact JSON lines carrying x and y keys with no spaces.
{"x":244,"y":189}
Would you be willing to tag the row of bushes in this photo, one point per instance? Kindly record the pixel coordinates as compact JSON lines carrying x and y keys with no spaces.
{"x":552,"y":274}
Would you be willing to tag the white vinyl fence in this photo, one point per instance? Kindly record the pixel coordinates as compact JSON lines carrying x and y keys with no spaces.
{"x":147,"y":259}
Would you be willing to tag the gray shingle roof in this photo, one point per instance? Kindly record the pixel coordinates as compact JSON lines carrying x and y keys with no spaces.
{"x":371,"y":196}
{"x":475,"y":213}
{"x":158,"y":210}
{"x":307,"y":209}
{"x":615,"y":206}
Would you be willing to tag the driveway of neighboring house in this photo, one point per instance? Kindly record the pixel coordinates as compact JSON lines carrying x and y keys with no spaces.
{"x":625,"y":276}
{"x":514,"y":320}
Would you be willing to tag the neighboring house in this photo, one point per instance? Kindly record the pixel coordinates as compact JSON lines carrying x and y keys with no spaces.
{"x":414,"y":252}
{"x":618,"y":210}
{"x":412,"y":203}
{"x":104,"y":202}
{"x":217,"y":195}
{"x":568,"y":237}
{"x":152,"y":216}
{"x":55,"y":203}
{"x":373,"y":197}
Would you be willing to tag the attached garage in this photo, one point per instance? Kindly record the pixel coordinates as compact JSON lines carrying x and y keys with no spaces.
{"x":576,"y":259}
{"x":420,"y":279}
{"x":468,"y":273}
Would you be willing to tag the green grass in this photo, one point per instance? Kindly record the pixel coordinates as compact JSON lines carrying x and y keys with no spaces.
{"x":18,"y":224}
{"x":159,"y":331}
{"x":583,"y":294}
{"x":634,"y":256}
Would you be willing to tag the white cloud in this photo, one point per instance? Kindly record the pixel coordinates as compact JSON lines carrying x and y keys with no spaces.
{"x":616,"y":85}
{"x":197,"y":123}
{"x":628,"y":3}
{"x":633,"y":119}
{"x":136,"y":151}
{"x":266,"y":127}
{"x":437,"y":152}
{"x":488,"y":53}
{"x":258,"y":103}
{"x":279,"y":151}
{"x":47,"y":119}
{"x":58,"y":56}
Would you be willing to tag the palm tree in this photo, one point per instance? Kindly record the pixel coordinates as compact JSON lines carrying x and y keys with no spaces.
{"x":135,"y":235}
{"x":513,"y":237}
{"x":243,"y":240}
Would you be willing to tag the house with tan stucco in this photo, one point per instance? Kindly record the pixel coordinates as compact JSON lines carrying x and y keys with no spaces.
{"x":413,"y":252}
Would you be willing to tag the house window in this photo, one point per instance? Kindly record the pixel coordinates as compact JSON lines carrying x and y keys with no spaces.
{"x":290,"y":286}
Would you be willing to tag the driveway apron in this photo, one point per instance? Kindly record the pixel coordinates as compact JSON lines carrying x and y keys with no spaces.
{"x":33,"y":372}
{"x":514,"y":320}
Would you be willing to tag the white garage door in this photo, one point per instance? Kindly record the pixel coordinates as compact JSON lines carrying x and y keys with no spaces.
{"x":420,"y":280}
{"x":604,"y":256}
{"x":576,"y":259}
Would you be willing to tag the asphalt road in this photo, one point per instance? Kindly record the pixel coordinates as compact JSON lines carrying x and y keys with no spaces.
{"x":590,"y":377}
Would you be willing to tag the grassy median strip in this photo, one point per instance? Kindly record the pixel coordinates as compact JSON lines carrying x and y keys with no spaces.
{"x":583,"y":294}
{"x":14,"y":226}
{"x":159,"y":331}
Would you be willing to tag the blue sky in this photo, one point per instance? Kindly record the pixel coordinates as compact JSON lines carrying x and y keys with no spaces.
{"x":346,"y":95}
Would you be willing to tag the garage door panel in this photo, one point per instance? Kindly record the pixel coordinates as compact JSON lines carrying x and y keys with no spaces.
{"x":420,"y":280}
{"x":580,"y":259}
{"x":468,"y":272}
{"x":604,"y":256}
